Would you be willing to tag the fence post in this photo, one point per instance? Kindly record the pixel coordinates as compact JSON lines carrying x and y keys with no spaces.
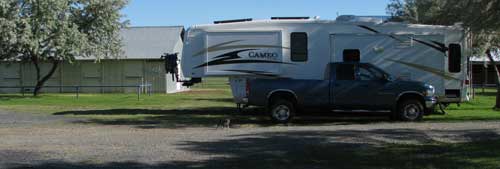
{"x":22,"y":90}
{"x":139,"y":92}
{"x":77,"y":92}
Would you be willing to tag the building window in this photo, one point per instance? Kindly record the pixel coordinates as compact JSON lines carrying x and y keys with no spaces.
{"x":298,"y":46}
{"x":351,"y":55}
{"x":454,"y":58}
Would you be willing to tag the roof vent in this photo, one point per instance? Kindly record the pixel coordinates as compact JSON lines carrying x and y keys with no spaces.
{"x":346,"y":18}
{"x":233,"y":21}
{"x":353,"y":18}
{"x":290,"y":18}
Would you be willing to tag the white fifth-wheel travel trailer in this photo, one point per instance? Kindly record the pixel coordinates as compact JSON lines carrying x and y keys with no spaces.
{"x":302,"y":47}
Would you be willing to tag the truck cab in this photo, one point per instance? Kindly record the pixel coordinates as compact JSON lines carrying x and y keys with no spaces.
{"x":346,"y":86}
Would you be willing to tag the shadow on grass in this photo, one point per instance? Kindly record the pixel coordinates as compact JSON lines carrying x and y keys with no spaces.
{"x":487,"y":93}
{"x":210,"y":117}
{"x":225,"y":100}
{"x":176,"y":118}
{"x":11,"y":97}
{"x":445,"y":118}
{"x":325,"y":149}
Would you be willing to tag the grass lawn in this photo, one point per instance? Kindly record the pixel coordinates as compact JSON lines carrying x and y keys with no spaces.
{"x":213,"y":93}
{"x":480,"y":108}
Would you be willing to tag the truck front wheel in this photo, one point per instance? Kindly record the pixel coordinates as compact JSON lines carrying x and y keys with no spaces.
{"x":282,"y":111}
{"x":411,"y":110}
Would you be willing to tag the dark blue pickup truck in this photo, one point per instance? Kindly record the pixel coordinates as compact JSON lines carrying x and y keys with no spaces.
{"x":347,"y":86}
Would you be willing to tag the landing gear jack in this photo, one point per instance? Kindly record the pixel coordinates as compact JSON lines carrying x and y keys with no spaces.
{"x":240,"y":107}
{"x":442,"y":106}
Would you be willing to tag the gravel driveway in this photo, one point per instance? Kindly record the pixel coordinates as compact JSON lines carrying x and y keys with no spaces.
{"x":30,"y":141}
{"x":11,"y":119}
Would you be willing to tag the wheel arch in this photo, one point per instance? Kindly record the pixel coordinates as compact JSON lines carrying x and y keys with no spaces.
{"x":281,"y":93}
{"x":410,"y":95}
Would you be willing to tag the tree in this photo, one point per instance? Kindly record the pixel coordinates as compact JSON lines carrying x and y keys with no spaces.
{"x":478,"y":17}
{"x":53,"y":31}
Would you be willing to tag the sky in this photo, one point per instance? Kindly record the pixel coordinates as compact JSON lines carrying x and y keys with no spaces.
{"x":192,"y":12}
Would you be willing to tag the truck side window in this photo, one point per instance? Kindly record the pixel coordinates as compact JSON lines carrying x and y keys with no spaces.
{"x":345,"y":72}
{"x":454,"y":58}
{"x":298,"y":46}
{"x":366,"y":72}
{"x":351,"y":55}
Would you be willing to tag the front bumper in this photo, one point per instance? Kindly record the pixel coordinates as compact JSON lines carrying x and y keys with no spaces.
{"x":430,"y":102}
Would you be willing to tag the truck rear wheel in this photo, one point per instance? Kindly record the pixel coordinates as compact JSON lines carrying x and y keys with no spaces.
{"x":410,"y":110}
{"x":282,"y":111}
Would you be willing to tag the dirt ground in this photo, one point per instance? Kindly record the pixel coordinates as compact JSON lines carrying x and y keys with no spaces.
{"x":36,"y":141}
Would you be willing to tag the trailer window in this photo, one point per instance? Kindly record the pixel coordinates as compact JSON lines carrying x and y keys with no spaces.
{"x":298,"y":46}
{"x":345,"y":72}
{"x":454,"y":58}
{"x":351,"y":55}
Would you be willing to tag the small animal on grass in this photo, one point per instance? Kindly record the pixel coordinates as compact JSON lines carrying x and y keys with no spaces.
{"x":224,"y":123}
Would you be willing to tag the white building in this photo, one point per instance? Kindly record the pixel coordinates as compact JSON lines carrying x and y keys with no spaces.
{"x":141,"y":63}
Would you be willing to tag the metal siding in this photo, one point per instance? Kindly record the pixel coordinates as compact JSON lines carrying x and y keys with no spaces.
{"x":88,"y":73}
{"x":148,"y":42}
{"x":155,"y":75}
{"x":9,"y":76}
{"x":133,"y":74}
{"x":112,"y":76}
{"x":55,"y":79}
{"x":71,"y":74}
{"x":29,"y":76}
{"x":91,"y":76}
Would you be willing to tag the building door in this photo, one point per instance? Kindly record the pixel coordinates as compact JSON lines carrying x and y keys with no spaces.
{"x":155,"y":75}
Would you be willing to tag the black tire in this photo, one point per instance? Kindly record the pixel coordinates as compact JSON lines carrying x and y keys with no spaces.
{"x":282,"y":111}
{"x":410,"y":110}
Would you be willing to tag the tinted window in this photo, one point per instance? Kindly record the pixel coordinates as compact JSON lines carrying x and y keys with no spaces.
{"x":454,"y":58}
{"x":345,"y":72}
{"x":351,"y":55}
{"x":298,"y":46}
{"x":366,"y":72}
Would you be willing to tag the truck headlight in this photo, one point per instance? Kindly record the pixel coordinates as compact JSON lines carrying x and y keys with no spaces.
{"x":429,"y":90}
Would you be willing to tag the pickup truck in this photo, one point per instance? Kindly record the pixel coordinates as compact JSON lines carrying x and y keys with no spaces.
{"x":347,"y":86}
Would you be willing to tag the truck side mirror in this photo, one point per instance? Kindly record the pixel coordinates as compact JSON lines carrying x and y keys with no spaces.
{"x":386,"y":78}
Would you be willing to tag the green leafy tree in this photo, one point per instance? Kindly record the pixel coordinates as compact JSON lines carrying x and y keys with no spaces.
{"x":53,"y":31}
{"x":480,"y":18}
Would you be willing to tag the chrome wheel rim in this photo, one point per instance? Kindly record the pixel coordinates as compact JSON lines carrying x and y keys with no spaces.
{"x":411,"y":111}
{"x":281,"y":113}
